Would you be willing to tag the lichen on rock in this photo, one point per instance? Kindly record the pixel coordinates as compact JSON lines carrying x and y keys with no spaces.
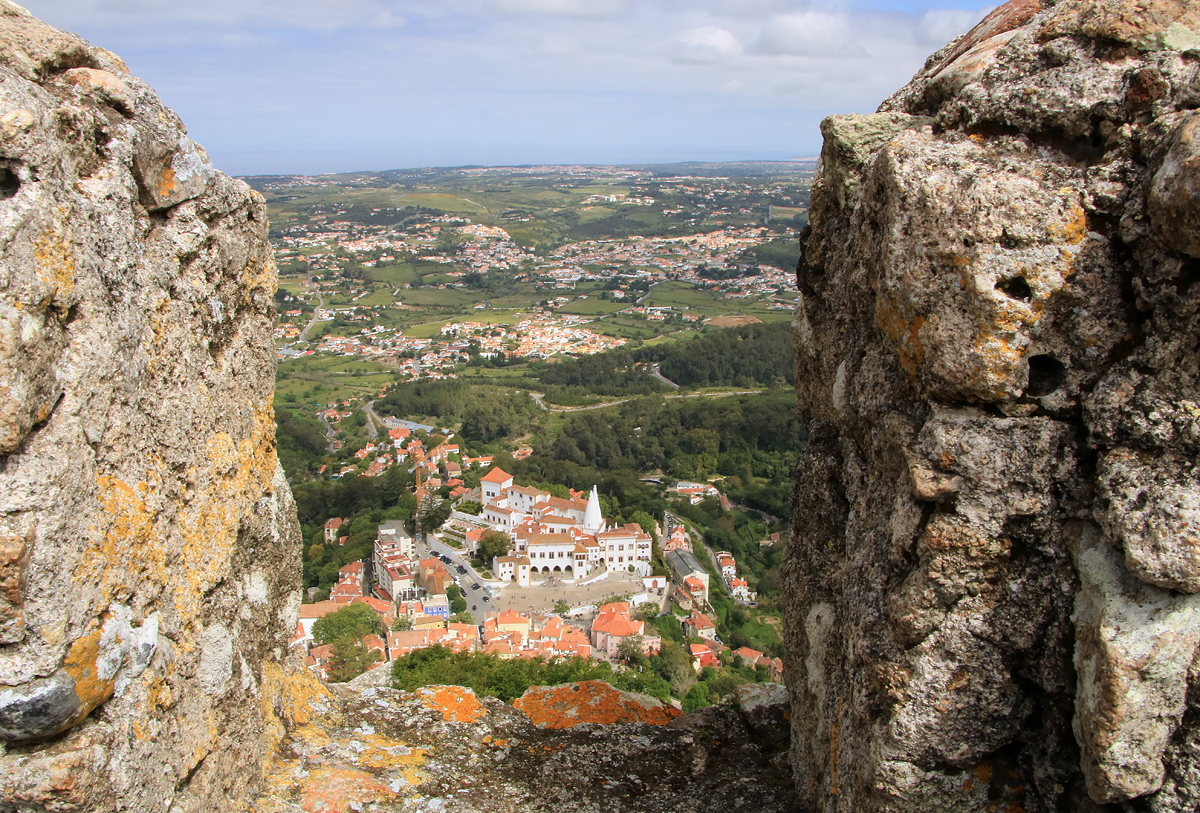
{"x":139,"y":486}
{"x":991,"y":575}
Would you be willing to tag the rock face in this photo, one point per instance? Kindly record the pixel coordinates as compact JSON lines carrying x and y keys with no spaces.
{"x":994,"y":575}
{"x":443,"y":748}
{"x":591,"y":701}
{"x":148,"y":544}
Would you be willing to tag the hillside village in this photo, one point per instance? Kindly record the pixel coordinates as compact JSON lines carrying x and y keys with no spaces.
{"x":420,"y":601}
{"x":336,"y":250}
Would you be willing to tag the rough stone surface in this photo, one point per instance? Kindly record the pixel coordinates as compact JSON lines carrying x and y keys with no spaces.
{"x":990,"y":587}
{"x":444,"y":749}
{"x":591,"y":701}
{"x":140,"y":497}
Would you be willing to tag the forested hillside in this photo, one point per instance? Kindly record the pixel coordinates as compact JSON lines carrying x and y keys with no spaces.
{"x":751,"y":355}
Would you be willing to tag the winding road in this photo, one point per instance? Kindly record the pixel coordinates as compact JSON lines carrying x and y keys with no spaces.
{"x":540,"y":399}
{"x":313,"y":322}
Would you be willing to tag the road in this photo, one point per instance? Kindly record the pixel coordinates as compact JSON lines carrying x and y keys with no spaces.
{"x":556,"y":408}
{"x":313,"y":322}
{"x":330,"y":432}
{"x":372,"y":419}
{"x":474,"y":597}
{"x":656,"y":374}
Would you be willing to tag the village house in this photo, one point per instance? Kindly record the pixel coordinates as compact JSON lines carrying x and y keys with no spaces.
{"x":728,"y":565}
{"x":683,"y":566}
{"x":613,"y":625}
{"x":702,"y":656}
{"x":699,"y":625}
{"x":331,"y":530}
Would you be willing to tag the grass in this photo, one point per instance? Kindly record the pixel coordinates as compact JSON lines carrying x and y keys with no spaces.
{"x":591,"y":307}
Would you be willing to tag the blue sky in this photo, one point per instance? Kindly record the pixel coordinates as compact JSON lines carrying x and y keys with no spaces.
{"x":312,"y":86}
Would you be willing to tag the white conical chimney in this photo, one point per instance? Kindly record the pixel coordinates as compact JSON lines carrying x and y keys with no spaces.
{"x":593,"y":520}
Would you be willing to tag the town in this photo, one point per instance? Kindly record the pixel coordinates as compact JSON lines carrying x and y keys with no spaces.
{"x":594,"y":583}
{"x":374,"y":282}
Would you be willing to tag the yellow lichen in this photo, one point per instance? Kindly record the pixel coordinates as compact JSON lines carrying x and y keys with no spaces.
{"x":906,"y":333}
{"x":259,"y":275}
{"x":55,"y":263}
{"x":80,"y":664}
{"x":166,"y":183}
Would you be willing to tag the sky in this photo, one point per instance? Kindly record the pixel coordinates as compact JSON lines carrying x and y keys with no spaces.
{"x":322,"y":86}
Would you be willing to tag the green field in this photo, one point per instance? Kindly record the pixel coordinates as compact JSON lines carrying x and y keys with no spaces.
{"x":591,"y":307}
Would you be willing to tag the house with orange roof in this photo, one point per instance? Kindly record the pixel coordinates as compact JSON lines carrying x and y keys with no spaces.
{"x":512,"y":568}
{"x":505,"y":622}
{"x":677,"y":540}
{"x":699,"y":625}
{"x":502,"y":648}
{"x":747,"y":657}
{"x":494,"y":486}
{"x":740,"y":590}
{"x":727,"y":564}
{"x":331,"y":530}
{"x":502,"y":518}
{"x":613,"y":625}
{"x":702,"y":656}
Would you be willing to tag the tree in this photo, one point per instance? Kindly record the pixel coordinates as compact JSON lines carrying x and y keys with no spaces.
{"x":402,"y":623}
{"x":436,"y":517}
{"x":630,"y":650}
{"x":561,"y":607}
{"x":353,"y":621}
{"x":462,"y":617}
{"x":470,"y":507}
{"x":458,"y":604}
{"x":349,"y":659}
{"x":493,"y":544}
{"x":696,"y":698}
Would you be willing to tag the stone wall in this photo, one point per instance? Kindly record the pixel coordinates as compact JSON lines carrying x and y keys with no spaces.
{"x":149,"y":552}
{"x":994,"y":577}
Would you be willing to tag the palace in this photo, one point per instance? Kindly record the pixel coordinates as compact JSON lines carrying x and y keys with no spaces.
{"x":568,"y":538}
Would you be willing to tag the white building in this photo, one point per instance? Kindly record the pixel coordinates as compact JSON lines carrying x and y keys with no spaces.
{"x":495,"y":485}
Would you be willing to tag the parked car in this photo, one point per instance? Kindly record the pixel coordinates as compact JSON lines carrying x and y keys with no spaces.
{"x":474,"y":607}
{"x":475,"y":586}
{"x":462,"y":569}
{"x":487,"y":598}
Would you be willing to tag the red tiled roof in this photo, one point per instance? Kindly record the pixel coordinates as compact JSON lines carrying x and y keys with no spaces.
{"x":496,"y":475}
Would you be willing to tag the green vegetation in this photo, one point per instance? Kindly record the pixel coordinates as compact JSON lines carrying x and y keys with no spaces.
{"x":344,"y":629}
{"x":352,"y":621}
{"x":489,"y":676}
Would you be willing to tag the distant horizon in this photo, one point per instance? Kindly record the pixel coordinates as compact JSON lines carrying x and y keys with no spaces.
{"x":308,"y":87}
{"x":448,"y":168}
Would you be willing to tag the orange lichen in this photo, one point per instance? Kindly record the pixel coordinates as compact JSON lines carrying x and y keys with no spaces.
{"x":457,"y":704}
{"x":591,"y":701}
{"x":55,"y":263}
{"x":259,"y":275}
{"x":384,"y":753}
{"x":334,"y":790}
{"x":906,"y":333}
{"x":126,"y":548}
{"x":166,"y":183}
{"x":1073,"y":229}
{"x":80,"y":663}
{"x":290,"y":701}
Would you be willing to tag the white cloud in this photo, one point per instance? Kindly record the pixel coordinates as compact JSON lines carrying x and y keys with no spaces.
{"x":707,"y":44}
{"x":808,"y":33}
{"x":941,"y":25}
{"x":746,"y":76}
{"x":386,"y":19}
{"x":563,"y":8}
